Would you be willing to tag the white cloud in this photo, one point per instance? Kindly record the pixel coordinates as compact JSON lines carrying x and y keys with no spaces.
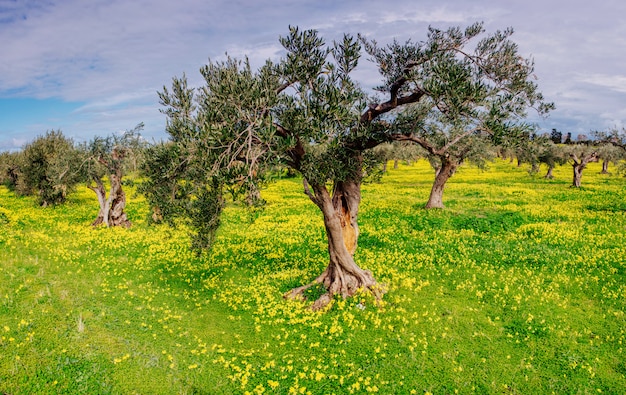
{"x":114,"y":55}
{"x":611,"y":82}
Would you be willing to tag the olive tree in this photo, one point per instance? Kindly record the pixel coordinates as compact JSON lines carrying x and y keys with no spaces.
{"x":107,"y":157}
{"x":610,"y":153}
{"x":306,"y":112}
{"x":397,"y":151}
{"x":541,"y":150}
{"x":49,"y":165}
{"x":579,"y":156}
{"x":11,"y":164}
{"x":474,"y":99}
{"x":552,"y":155}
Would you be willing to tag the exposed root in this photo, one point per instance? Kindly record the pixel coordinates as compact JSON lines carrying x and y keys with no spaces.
{"x":346,"y":285}
{"x":298,"y":293}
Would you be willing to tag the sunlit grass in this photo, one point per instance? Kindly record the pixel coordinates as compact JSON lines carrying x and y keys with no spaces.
{"x":518,"y":286}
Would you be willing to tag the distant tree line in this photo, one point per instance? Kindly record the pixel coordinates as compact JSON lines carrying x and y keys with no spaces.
{"x":52,"y":165}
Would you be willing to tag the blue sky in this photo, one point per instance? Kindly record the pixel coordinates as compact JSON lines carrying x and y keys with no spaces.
{"x":94,"y":67}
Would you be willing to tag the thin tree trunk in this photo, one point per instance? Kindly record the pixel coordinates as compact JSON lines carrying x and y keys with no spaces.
{"x":549,"y":174}
{"x":534,"y":169}
{"x":605,"y":167}
{"x":395,"y":163}
{"x":342,"y":275}
{"x":447,"y":169}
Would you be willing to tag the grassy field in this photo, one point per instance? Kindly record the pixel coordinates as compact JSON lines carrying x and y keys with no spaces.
{"x":517,"y":287}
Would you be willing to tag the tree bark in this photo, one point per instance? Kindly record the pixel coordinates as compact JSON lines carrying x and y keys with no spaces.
{"x":112,"y":208}
{"x":578,"y":175}
{"x":605,"y":167}
{"x":534,"y":169}
{"x":342,"y":276}
{"x":549,"y":174}
{"x":395,"y":163}
{"x":579,"y":165}
{"x":101,"y":194}
{"x":117,"y":203}
{"x":447,"y":169}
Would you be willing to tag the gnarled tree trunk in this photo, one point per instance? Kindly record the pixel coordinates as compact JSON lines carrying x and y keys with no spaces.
{"x":579,"y":164}
{"x":112,"y":208}
{"x":342,"y":275}
{"x":578,"y":175}
{"x":605,"y":167}
{"x":549,"y":174}
{"x":443,"y":174}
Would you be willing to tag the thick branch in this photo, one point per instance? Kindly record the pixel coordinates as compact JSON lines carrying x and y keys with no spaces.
{"x":297,"y":152}
{"x":458,"y":138}
{"x":575,"y":159}
{"x":415,"y":139}
{"x":307,"y":191}
{"x":378,"y":109}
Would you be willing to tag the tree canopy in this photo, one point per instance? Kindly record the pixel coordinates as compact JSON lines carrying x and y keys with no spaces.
{"x":109,"y":157}
{"x":49,"y":167}
{"x":305,"y":111}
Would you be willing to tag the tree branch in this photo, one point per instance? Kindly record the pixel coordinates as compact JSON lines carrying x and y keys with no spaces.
{"x":459,"y":138}
{"x":415,"y":139}
{"x":394,"y":101}
{"x":307,"y":190}
{"x":297,"y":152}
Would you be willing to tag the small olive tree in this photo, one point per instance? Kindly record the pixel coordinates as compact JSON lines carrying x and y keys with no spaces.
{"x":107,"y":157}
{"x":610,"y":153}
{"x":11,"y":164}
{"x":552,"y":155}
{"x":541,"y":150}
{"x":49,"y":165}
{"x":616,"y":138}
{"x":579,"y":156}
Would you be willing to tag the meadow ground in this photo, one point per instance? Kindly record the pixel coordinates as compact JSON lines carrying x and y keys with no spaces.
{"x":517,"y":287}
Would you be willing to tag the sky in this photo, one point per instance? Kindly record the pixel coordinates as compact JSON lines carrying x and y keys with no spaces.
{"x":94,"y":67}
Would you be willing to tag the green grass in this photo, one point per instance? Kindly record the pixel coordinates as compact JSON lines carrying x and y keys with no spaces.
{"x":517,"y":287}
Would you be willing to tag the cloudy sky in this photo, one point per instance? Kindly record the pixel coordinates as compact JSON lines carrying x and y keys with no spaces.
{"x":94,"y":67}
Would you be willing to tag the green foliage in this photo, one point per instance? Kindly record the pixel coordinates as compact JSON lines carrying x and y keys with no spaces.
{"x":306,"y":112}
{"x":113,"y":154}
{"x":538,"y":150}
{"x":49,"y":168}
{"x":613,"y":136}
{"x":161,"y":187}
{"x":11,"y":164}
